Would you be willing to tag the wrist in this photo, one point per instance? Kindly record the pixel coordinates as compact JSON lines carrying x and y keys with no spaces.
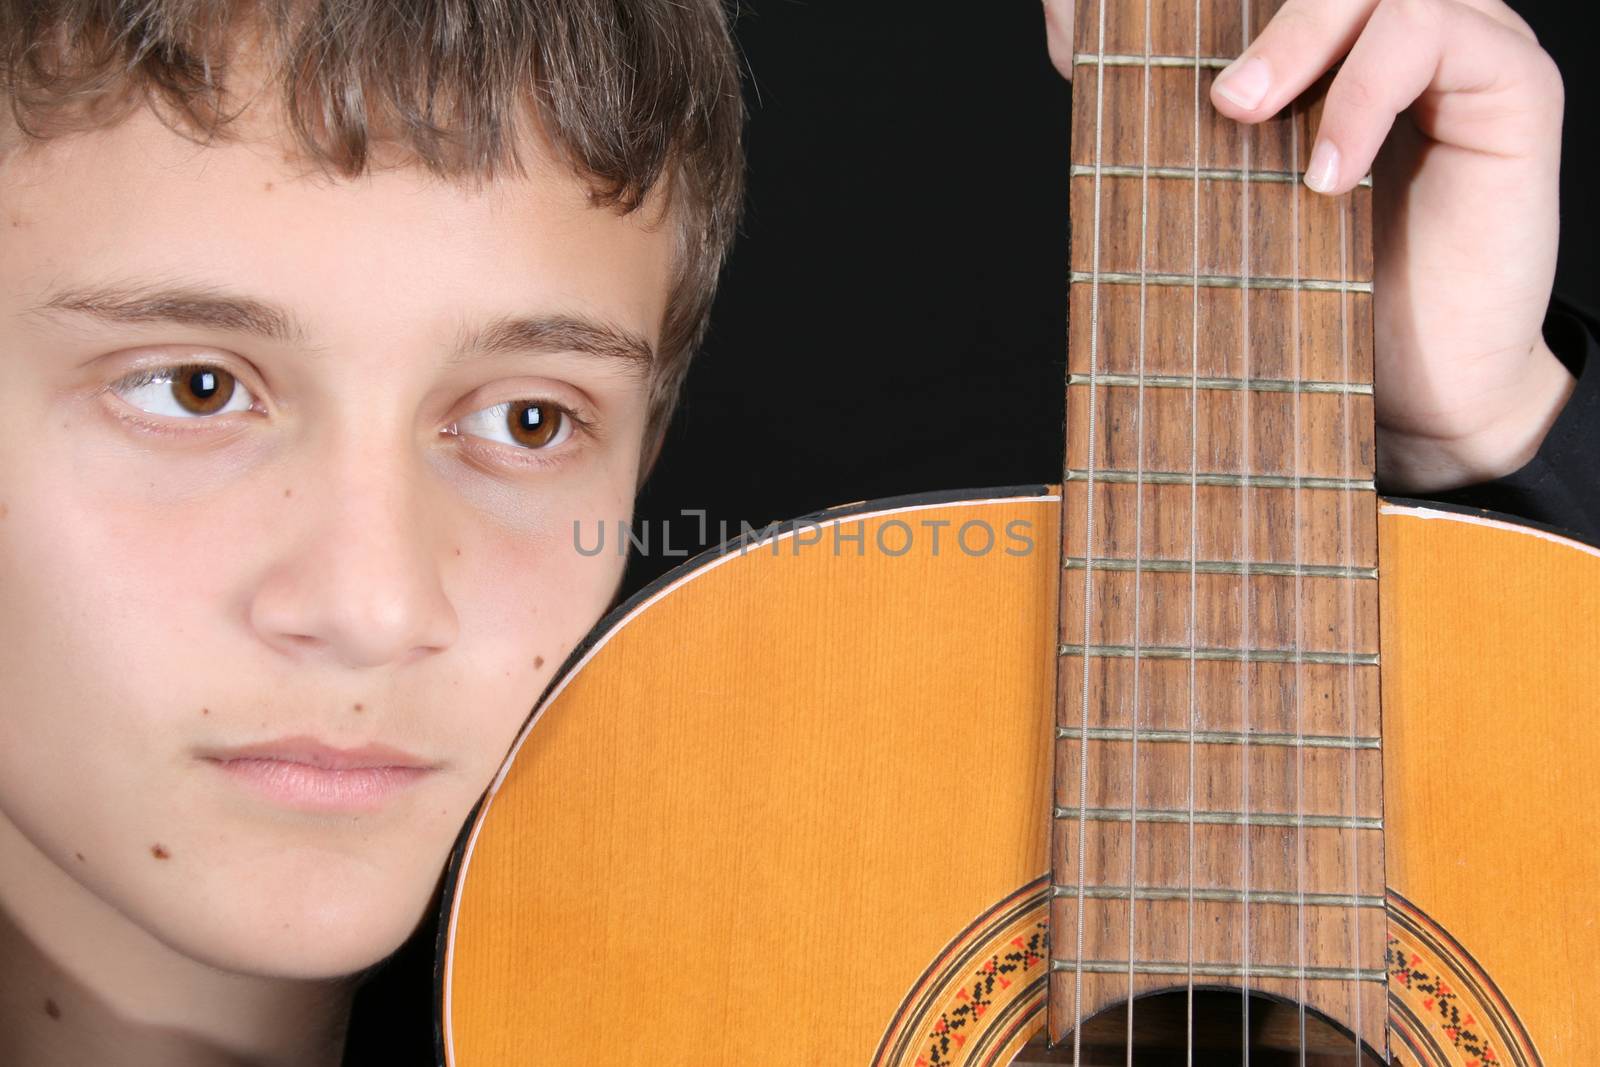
{"x":1411,"y":462}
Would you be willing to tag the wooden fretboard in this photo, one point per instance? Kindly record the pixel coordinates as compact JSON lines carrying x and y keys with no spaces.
{"x":1218,"y":771}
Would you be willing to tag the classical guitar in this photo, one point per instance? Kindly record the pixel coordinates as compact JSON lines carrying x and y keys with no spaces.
{"x":1093,"y":773}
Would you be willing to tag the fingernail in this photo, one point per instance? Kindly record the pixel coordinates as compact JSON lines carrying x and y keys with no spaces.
{"x":1245,"y":82}
{"x":1323,"y":168}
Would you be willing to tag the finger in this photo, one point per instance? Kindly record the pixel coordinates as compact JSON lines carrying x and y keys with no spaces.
{"x":1058,"y":34}
{"x":1503,"y":14}
{"x":1435,"y":47}
{"x":1301,"y":42}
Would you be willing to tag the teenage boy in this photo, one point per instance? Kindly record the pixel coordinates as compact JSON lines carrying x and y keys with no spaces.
{"x":295,"y":422}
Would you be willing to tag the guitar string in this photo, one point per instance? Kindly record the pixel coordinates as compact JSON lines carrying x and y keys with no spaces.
{"x":1194,"y":521}
{"x":1299,"y":614}
{"x":1138,"y":537}
{"x":1088,"y":539}
{"x":1350,"y":610}
{"x":1244,"y":550}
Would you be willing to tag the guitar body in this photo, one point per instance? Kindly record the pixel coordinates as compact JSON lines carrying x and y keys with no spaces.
{"x":1491,"y":689}
{"x":792,"y":805}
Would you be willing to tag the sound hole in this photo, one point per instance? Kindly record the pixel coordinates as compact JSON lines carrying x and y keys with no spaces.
{"x":1161,"y":1035}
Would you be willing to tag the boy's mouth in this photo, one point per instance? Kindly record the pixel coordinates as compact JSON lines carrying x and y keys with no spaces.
{"x":303,"y":773}
{"x":311,"y":752}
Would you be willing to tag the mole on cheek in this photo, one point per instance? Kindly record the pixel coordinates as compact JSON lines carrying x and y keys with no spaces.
{"x":360,"y":707}
{"x":205,"y":711}
{"x":287,"y":493}
{"x":51,"y":1008}
{"x":158,"y":852}
{"x":538,"y":661}
{"x":80,"y":856}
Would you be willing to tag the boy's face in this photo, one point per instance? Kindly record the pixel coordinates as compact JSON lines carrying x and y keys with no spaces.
{"x":313,"y":556}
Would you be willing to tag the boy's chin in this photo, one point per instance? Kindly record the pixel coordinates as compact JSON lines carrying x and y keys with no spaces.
{"x":338,"y":935}
{"x":350,"y":955}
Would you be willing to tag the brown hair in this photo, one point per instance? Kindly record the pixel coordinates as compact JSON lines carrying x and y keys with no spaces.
{"x":627,"y":92}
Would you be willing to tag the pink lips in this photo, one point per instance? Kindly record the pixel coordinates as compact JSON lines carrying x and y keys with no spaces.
{"x":303,"y":773}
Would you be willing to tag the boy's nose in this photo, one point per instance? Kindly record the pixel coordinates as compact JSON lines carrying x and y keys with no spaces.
{"x":360,"y":582}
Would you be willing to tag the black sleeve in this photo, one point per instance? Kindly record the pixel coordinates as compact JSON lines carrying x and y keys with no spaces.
{"x":1560,"y":485}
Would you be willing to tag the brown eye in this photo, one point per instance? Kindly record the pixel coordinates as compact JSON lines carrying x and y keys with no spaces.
{"x":202,"y":390}
{"x":527,"y":425}
{"x":534,"y":424}
{"x":184,"y":391}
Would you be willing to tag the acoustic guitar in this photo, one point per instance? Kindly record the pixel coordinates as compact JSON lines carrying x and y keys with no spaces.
{"x":1091,"y":773}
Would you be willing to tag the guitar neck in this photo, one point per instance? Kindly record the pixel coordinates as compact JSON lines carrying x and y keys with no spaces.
{"x":1218,"y":777}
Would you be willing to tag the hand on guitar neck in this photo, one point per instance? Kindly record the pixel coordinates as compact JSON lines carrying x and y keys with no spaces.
{"x":1457,"y":111}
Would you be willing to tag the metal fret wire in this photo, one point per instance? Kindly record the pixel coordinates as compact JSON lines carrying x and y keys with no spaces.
{"x":1225,"y":896}
{"x":1251,"y":655}
{"x":1263,"y":481}
{"x":1088,"y":538}
{"x":1244,"y":541}
{"x":1194,"y":523}
{"x":1214,"y":566}
{"x":1222,"y":818}
{"x":1118,"y":59}
{"x":1138,"y":531}
{"x":1229,"y":281}
{"x":1210,"y":174}
{"x":1262,"y":385}
{"x":1225,"y":737}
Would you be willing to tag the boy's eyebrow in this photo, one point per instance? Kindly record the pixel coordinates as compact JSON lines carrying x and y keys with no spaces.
{"x":183,"y":304}
{"x":554,"y":333}
{"x":210,"y":308}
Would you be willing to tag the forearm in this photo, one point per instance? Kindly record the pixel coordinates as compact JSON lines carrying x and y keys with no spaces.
{"x":1503,"y":439}
{"x":1559,"y":483}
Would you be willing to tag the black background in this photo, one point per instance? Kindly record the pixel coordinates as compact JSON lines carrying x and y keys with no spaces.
{"x":893,"y":318}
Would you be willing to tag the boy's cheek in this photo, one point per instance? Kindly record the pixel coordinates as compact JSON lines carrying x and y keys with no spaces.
{"x":96,"y":762}
{"x":125,"y":644}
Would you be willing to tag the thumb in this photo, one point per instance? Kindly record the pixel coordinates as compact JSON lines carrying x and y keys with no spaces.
{"x":1058,"y":34}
